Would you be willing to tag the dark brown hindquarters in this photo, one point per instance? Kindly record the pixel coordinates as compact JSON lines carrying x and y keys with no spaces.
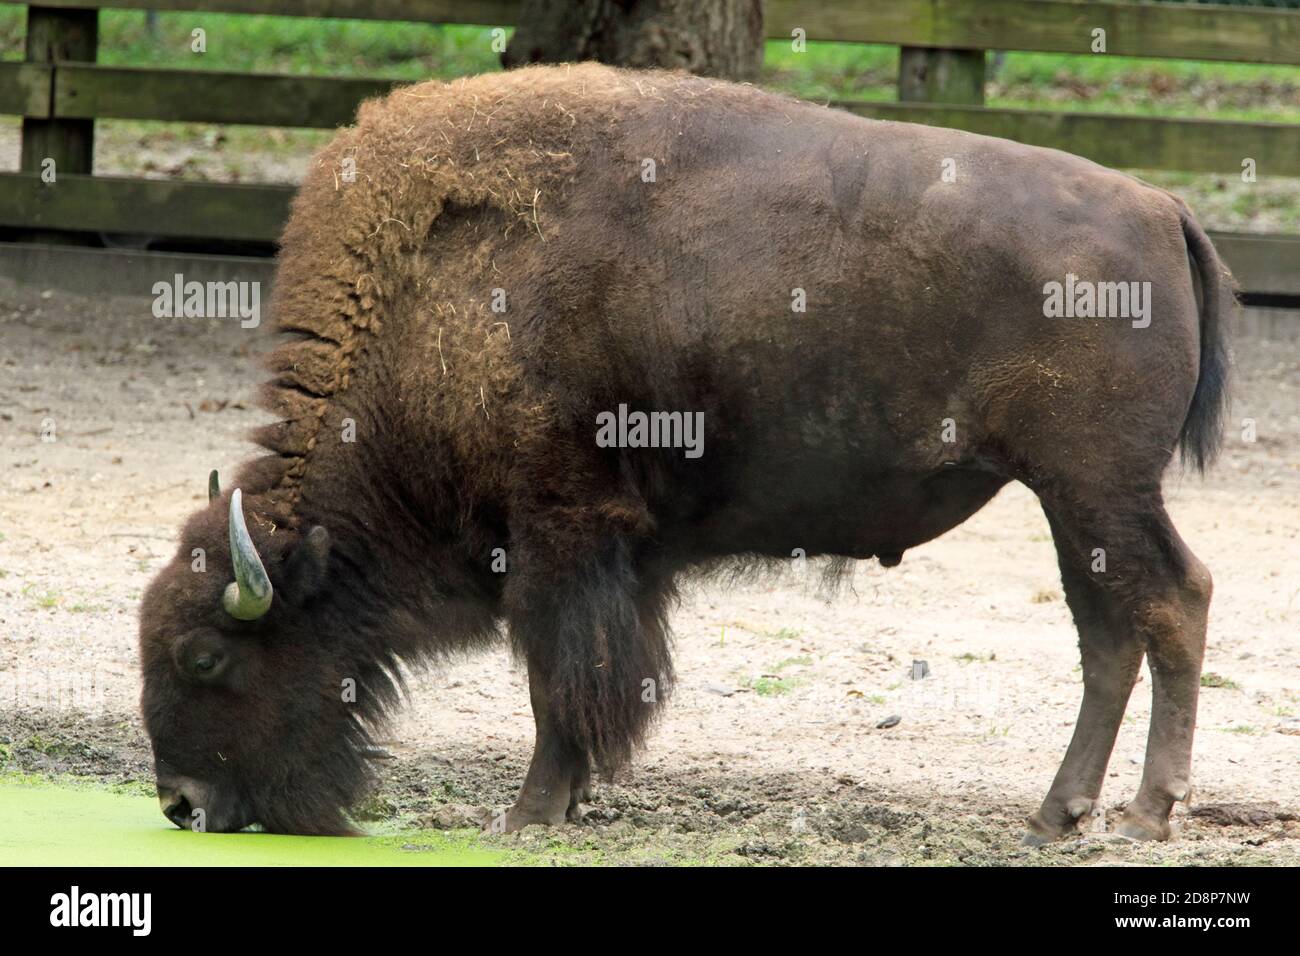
{"x":1133,"y":585}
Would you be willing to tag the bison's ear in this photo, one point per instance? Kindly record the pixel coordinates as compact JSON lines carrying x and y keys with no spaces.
{"x":305,"y":570}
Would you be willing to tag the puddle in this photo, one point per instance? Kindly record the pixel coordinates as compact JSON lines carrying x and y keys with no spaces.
{"x":46,"y":825}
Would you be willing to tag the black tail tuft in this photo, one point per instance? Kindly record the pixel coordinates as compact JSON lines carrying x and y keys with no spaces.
{"x":1203,"y":428}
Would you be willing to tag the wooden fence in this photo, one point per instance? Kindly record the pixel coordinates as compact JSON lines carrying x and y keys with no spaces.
{"x":60,"y":91}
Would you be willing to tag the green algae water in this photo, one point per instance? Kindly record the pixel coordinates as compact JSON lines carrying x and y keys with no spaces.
{"x":46,"y":824}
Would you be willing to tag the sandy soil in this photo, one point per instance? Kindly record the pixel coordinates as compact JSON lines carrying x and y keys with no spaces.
{"x":771,"y":750}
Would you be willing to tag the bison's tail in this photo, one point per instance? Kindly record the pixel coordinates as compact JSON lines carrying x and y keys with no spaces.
{"x":1202,"y":430}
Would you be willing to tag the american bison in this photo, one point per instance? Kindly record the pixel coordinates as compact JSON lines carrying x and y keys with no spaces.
{"x":875,"y":326}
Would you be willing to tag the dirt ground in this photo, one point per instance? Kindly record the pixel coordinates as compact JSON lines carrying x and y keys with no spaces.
{"x":771,"y":750}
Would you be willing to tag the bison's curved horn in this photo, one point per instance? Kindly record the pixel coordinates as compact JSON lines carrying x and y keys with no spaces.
{"x":214,"y":486}
{"x":247,"y":597}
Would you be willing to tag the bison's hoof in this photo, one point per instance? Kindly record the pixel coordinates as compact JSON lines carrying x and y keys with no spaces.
{"x":1056,"y":821}
{"x":543,"y":807}
{"x":1039,"y":832}
{"x":516,"y":818}
{"x":1143,"y":828}
{"x":1035,"y":839}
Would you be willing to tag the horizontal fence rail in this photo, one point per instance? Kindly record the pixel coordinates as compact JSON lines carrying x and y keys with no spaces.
{"x":25,"y":89}
{"x":88,"y":91}
{"x":1192,"y":32}
{"x":1113,"y":139}
{"x":1262,"y":264}
{"x":76,"y":90}
{"x":480,"y":12}
{"x":168,"y":207}
{"x":102,"y":92}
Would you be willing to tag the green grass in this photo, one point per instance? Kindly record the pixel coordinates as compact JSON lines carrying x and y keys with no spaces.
{"x":1224,"y":202}
{"x":773,"y":682}
{"x":1210,"y":679}
{"x":803,"y":661}
{"x":44,"y":599}
{"x":832,"y":71}
{"x":1146,"y":87}
{"x":770,"y":686}
{"x":266,"y":44}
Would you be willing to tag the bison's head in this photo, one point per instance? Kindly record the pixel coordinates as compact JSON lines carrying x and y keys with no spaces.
{"x":246,"y":678}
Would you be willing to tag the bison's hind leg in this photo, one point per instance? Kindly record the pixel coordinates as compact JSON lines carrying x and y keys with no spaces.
{"x":1133,"y":587}
{"x":592,"y":630}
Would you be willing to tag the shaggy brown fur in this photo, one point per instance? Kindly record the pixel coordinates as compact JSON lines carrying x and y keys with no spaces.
{"x":432,"y":435}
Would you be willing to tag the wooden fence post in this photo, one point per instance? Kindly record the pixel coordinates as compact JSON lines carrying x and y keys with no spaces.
{"x":52,"y":35}
{"x":941,"y":76}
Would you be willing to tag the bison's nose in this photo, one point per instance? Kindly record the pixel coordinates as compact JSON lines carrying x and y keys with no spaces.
{"x":176,"y":806}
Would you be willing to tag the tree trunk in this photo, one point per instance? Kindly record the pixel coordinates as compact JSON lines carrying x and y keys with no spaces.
{"x":709,"y":37}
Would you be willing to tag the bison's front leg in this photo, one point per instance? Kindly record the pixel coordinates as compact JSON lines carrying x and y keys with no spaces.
{"x":559,"y":775}
{"x":598,"y":665}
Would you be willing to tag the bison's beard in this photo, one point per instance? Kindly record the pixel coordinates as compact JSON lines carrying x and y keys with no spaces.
{"x":312,"y":797}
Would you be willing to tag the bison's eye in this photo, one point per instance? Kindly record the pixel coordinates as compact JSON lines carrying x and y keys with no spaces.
{"x":203,"y":656}
{"x":207,"y":665}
